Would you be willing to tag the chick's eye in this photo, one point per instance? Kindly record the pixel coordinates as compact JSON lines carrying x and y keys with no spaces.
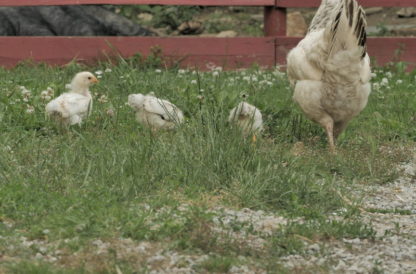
{"x":89,"y":78}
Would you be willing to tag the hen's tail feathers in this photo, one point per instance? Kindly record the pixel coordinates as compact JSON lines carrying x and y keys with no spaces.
{"x":348,"y":29}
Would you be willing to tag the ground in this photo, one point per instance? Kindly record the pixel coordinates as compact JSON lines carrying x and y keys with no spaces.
{"x":114,"y":197}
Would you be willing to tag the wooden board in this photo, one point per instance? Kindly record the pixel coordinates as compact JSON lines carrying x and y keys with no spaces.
{"x":229,"y":52}
{"x":139,"y":2}
{"x":365,"y":3}
{"x":382,"y":50}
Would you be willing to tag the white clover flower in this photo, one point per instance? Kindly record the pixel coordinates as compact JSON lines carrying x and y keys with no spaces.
{"x":110,"y":112}
{"x":215,"y":73}
{"x":278,"y":73}
{"x":30,"y":109}
{"x":254,"y":78}
{"x":400,"y":81}
{"x":158,"y":70}
{"x":389,"y":74}
{"x":25,"y":92}
{"x":246,"y":78}
{"x":46,"y":95}
{"x":384,"y":82}
{"x":376,"y":86}
{"x":107,"y":70}
{"x":50,"y":91}
{"x":181,"y":71}
{"x":99,"y":76}
{"x":103,"y":99}
{"x":194,"y":82}
{"x":25,"y":99}
{"x":99,"y":72}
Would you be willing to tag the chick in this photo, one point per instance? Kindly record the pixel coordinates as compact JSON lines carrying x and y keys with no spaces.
{"x":154,"y":112}
{"x":248,"y":118}
{"x":72,"y":107}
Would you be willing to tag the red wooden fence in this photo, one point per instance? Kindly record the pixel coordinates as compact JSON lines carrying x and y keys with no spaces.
{"x":192,"y":51}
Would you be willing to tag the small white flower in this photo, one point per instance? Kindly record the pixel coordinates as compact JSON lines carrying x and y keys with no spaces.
{"x":384,"y":82}
{"x":215,"y":73}
{"x":107,"y":70}
{"x":67,"y":86}
{"x":25,"y":92}
{"x":193,"y":72}
{"x":158,"y":70}
{"x":47,"y":94}
{"x":99,"y":76}
{"x":246,"y":78}
{"x":103,"y":99}
{"x":254,"y":78}
{"x":389,"y":74}
{"x":399,"y":82}
{"x":181,"y":71}
{"x":99,"y":72}
{"x":110,"y":112}
{"x":30,"y":109}
{"x":194,"y":82}
{"x":46,"y":231}
{"x":278,"y":73}
{"x":376,"y":85}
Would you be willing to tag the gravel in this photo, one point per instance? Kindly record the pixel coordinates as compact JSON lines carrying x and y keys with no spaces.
{"x":389,"y":209}
{"x":394,"y":248}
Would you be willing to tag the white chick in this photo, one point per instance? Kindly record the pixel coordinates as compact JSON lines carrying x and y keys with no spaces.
{"x":72,"y":107}
{"x":154,"y":112}
{"x":247,"y":117}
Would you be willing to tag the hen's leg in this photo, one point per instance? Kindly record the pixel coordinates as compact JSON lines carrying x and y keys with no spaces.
{"x":308,"y":95}
{"x":328,"y":124}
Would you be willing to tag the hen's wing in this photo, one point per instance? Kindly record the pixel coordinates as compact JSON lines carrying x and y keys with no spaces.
{"x":336,"y":38}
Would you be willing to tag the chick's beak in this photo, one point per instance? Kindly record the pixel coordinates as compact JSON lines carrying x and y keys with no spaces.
{"x":94,"y":80}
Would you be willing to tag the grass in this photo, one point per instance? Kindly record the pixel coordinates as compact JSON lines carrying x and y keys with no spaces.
{"x":113,"y":179}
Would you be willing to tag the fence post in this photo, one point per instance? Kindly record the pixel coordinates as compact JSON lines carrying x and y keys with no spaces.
{"x":274,"y":21}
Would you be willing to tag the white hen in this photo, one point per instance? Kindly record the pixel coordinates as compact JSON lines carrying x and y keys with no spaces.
{"x":330,"y":68}
{"x":247,"y":117}
{"x":154,"y":112}
{"x":72,"y":107}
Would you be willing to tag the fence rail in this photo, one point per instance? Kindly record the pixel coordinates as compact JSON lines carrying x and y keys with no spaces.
{"x":276,"y":3}
{"x":192,"y":51}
